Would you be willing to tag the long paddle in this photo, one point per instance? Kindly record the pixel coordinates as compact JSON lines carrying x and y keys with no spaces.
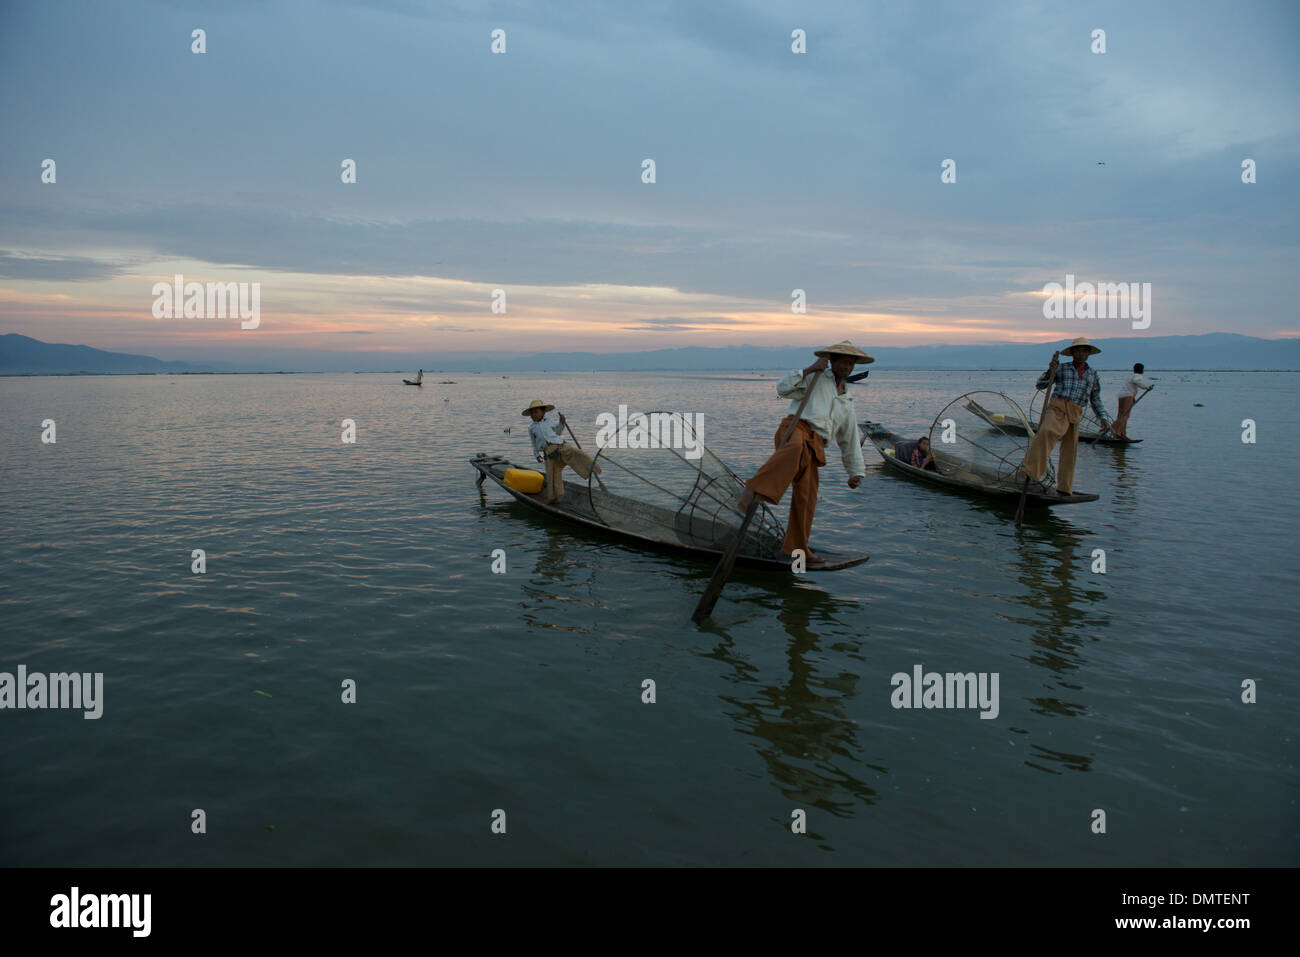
{"x":1024,"y":492}
{"x":728,"y":561}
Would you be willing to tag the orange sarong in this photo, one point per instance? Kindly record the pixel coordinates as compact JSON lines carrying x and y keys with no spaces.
{"x":794,"y":464}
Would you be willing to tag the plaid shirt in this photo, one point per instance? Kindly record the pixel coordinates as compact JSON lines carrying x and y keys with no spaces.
{"x":1077,"y":388}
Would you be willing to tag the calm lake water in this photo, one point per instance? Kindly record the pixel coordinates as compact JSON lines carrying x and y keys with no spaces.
{"x":522,"y":692}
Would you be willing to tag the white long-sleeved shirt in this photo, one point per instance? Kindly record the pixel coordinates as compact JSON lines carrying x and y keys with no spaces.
{"x":1130,"y":388}
{"x":830,"y":414}
{"x":544,"y":433}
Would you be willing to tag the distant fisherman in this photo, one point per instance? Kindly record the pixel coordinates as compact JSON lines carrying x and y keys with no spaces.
{"x":828,"y":415}
{"x":550,"y":447}
{"x":1074,"y":385}
{"x":1128,"y":396}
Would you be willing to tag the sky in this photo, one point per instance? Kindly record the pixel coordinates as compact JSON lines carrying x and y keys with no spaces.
{"x":522,"y":171}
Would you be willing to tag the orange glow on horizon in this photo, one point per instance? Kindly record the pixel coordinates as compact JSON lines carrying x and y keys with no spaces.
{"x":348,"y":313}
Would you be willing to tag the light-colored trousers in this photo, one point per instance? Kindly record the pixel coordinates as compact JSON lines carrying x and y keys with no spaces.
{"x":1060,"y":424}
{"x":557,"y":457}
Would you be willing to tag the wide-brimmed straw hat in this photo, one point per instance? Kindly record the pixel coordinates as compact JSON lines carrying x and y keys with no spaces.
{"x":537,"y":404}
{"x":845,"y":348}
{"x":1081,"y":341}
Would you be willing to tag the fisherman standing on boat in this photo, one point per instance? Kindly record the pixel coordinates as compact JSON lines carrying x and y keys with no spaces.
{"x":828,"y":414}
{"x":1073,"y":385}
{"x":1128,"y":396}
{"x":550,"y":447}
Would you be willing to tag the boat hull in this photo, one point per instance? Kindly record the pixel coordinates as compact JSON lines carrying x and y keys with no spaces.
{"x":884,"y":441}
{"x":1015,"y":428}
{"x":574,"y":506}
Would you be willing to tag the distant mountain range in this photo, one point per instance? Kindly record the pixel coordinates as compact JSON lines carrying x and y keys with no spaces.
{"x":22,"y":355}
{"x":1218,"y":350}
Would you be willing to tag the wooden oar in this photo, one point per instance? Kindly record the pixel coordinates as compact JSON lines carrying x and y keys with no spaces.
{"x":1024,"y":492}
{"x":728,"y":561}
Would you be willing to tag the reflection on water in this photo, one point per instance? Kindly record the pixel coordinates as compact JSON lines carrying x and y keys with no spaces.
{"x":799,"y":719}
{"x":1066,"y":612}
{"x":553,"y":597}
{"x":1074,"y":762}
{"x":1128,"y":477}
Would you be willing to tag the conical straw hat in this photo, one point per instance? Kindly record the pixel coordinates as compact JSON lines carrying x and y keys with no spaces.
{"x":845,"y":348}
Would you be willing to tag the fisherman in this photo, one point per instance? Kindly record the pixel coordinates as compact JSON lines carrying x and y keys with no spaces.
{"x":1074,"y":385}
{"x":1127,"y":397}
{"x":550,"y":447}
{"x":828,"y":414}
{"x":419,"y":380}
{"x":916,"y":454}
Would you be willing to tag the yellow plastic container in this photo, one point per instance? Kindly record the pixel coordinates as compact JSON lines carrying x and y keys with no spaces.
{"x":525,"y":480}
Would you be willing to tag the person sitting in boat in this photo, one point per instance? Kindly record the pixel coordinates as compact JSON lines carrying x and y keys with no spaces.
{"x":916,"y":453}
{"x":1071,"y":387}
{"x":550,"y":447}
{"x":1128,"y":395}
{"x":827,"y":414}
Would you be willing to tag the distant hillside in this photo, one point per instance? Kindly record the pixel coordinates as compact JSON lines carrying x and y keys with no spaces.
{"x":1219,"y":350}
{"x":22,"y":355}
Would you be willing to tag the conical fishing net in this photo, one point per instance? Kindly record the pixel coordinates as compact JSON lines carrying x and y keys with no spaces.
{"x":982,"y":437}
{"x":660,"y":482}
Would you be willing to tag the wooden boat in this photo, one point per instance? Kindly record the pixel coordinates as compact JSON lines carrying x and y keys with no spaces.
{"x":960,"y":475}
{"x":409,"y":382}
{"x":679,"y":531}
{"x":1007,"y":424}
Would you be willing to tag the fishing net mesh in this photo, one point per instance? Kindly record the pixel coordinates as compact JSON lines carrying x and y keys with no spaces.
{"x":658,"y":480}
{"x":1089,"y":427}
{"x":982,"y":437}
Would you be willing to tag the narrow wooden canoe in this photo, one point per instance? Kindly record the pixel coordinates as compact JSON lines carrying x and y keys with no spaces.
{"x":959,"y":475}
{"x":575,"y":506}
{"x":999,"y":421}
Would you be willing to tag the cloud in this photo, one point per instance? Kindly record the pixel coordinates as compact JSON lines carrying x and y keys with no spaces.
{"x":660,"y":323}
{"x":776,"y":171}
{"x":60,"y":269}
